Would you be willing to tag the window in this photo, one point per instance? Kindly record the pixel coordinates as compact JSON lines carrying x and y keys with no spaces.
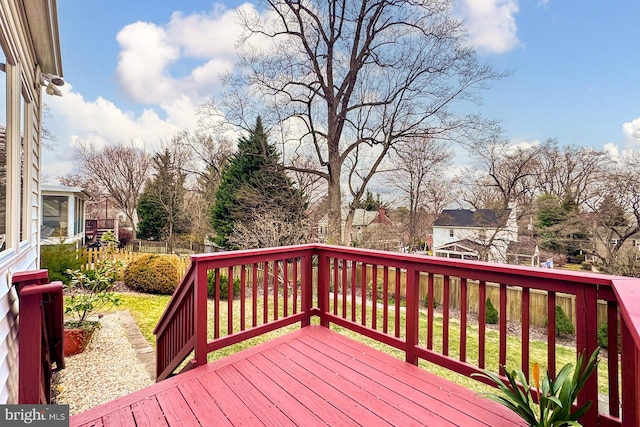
{"x":451,"y":233}
{"x":3,"y":153}
{"x":23,"y":166}
{"x":55,"y":215}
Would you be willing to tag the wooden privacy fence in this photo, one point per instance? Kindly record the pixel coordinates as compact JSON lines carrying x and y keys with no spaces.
{"x":94,"y":255}
{"x":537,"y":298}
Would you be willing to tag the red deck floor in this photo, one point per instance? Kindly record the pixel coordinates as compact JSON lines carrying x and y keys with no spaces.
{"x":310,"y":377}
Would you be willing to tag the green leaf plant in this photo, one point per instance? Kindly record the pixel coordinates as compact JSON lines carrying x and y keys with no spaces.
{"x":89,"y":292}
{"x":555,"y":397}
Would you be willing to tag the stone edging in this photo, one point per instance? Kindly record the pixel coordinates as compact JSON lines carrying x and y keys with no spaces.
{"x":143,"y":349}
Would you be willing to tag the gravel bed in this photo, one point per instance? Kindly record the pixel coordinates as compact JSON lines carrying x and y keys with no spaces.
{"x":106,"y":370}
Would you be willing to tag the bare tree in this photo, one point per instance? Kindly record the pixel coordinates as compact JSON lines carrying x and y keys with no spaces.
{"x":417,"y":175}
{"x":617,"y":215}
{"x":355,"y":78}
{"x":121,"y":170}
{"x":570,"y":172}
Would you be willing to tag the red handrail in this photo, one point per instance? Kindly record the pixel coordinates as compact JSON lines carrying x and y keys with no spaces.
{"x":361,"y":290}
{"x":40,"y":335}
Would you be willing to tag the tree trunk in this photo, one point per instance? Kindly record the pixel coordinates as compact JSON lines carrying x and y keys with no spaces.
{"x":334,"y":229}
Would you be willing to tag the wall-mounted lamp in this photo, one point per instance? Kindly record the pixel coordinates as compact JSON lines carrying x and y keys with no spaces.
{"x":52,"y":83}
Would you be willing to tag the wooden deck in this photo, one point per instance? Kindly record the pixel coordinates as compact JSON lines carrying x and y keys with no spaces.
{"x":313,"y":376}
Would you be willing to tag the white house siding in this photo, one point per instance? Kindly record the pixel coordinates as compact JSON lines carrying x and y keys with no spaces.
{"x":29,"y":41}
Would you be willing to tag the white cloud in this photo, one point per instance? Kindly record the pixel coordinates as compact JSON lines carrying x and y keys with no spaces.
{"x":159,"y":64}
{"x":74,"y":120}
{"x":491,"y":24}
{"x":631,"y":131}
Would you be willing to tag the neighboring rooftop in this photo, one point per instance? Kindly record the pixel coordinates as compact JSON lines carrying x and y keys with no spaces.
{"x":472,"y":218}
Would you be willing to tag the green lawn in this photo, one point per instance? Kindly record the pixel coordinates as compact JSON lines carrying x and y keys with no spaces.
{"x":147,"y":309}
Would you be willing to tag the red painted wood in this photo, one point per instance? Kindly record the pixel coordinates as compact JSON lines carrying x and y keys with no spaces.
{"x":612,"y":362}
{"x":586,"y":342}
{"x":463,"y":319}
{"x":631,"y":377}
{"x":295,"y":285}
{"x":200,"y":314}
{"x":397,"y":312}
{"x":306,"y":293}
{"x":285,"y":287}
{"x":229,"y":300}
{"x":354,"y":267}
{"x":175,"y":408}
{"x":446,"y":303}
{"x":265,"y":293}
{"x":412,"y":318}
{"x":363,"y":296}
{"x":502,"y":352}
{"x":336,"y":286}
{"x":243,"y":297}
{"x":216,"y":306}
{"x":321,"y":408}
{"x":148,"y":413}
{"x":525,"y":332}
{"x":385,"y":299}
{"x":200,"y":402}
{"x":482,"y":316}
{"x":374,"y":296}
{"x":357,"y":386}
{"x":240,"y":390}
{"x":551,"y":334}
{"x":276,"y":290}
{"x":430,"y":291}
{"x":341,"y":399}
{"x":121,"y":417}
{"x":254,"y":296}
{"x":30,"y":371}
{"x":263,"y":376}
{"x":344,"y":288}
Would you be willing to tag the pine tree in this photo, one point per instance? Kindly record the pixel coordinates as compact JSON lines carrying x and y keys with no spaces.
{"x":161,"y":207}
{"x":255,"y":189}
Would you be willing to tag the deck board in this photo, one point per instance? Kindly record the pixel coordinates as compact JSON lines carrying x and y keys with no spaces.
{"x":313,"y":376}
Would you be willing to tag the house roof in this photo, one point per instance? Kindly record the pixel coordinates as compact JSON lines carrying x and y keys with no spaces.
{"x":472,"y":218}
{"x":464,"y":244}
{"x":42,"y":16}
{"x":523,"y":247}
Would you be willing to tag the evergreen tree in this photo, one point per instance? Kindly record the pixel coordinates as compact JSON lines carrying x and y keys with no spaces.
{"x":255,"y":188}
{"x":161,"y":208}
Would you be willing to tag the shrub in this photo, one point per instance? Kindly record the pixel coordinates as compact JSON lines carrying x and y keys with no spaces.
{"x":154,"y":274}
{"x":491,"y":313}
{"x":603,"y":336}
{"x":585,"y":265}
{"x":59,"y":259}
{"x":124,"y":237}
{"x":563,"y":324}
{"x":89,"y":294}
{"x":426,"y":301}
{"x":224,"y":285}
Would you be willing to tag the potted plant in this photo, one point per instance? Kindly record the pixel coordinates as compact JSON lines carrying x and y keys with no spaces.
{"x":87,"y":294}
{"x":555,"y":397}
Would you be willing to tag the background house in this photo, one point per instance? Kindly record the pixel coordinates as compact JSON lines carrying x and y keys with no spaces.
{"x":63,"y":215}
{"x":29,"y":57}
{"x":480,"y":234}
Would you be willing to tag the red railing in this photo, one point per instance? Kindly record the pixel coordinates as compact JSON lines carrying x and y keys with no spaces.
{"x":40,"y":335}
{"x":380,"y":295}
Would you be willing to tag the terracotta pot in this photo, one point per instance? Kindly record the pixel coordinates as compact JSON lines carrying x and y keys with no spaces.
{"x":76,"y":340}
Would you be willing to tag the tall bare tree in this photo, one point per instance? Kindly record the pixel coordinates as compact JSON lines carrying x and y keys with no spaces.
{"x":416,"y":173}
{"x":355,"y":77}
{"x":570,"y":172}
{"x":121,"y":170}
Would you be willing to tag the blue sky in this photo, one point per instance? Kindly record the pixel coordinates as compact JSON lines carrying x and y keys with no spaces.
{"x":136,"y":70}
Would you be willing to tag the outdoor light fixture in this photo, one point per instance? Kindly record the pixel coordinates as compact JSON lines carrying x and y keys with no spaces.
{"x":52,"y":83}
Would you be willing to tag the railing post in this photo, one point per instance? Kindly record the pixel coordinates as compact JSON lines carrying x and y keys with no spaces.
{"x":323,"y":288}
{"x":307,"y":288}
{"x":30,"y":371}
{"x":200,"y":317}
{"x":411,"y":331}
{"x":630,"y":379}
{"x":586,"y":342}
